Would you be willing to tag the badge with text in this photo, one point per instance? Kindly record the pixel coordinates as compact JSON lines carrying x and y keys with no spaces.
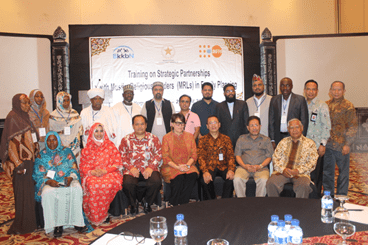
{"x":283,"y":119}
{"x":313,"y":117}
{"x":159,"y":121}
{"x":34,"y":137}
{"x":50,"y":174}
{"x":42,"y":132}
{"x":67,"y":130}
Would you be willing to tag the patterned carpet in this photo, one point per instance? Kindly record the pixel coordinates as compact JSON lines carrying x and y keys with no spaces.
{"x":358,"y":194}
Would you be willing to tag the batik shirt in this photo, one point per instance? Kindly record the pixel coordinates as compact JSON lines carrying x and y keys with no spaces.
{"x":305,"y":158}
{"x":140,"y":153}
{"x":319,"y":122}
{"x":344,"y":124}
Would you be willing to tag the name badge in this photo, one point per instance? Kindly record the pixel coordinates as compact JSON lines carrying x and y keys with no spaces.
{"x":50,"y":174}
{"x":283,"y":119}
{"x":67,"y":130}
{"x":42,"y":132}
{"x":147,"y":154}
{"x":313,"y":117}
{"x":159,"y":121}
{"x":257,"y":114}
{"x":221,"y":157}
{"x":34,"y":137}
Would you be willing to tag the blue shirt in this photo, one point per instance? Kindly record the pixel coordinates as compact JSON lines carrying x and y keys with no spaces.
{"x":204,"y":110}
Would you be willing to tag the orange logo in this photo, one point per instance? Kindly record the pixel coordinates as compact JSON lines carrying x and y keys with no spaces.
{"x":216,"y":51}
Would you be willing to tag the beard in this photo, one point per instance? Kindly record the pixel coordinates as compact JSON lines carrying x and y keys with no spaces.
{"x":207,"y":97}
{"x":259,"y":94}
{"x":229,"y":99}
{"x":158,"y":96}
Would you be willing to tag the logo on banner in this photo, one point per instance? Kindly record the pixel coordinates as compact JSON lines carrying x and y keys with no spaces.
{"x":123,"y":52}
{"x":168,"y":51}
{"x":206,"y":51}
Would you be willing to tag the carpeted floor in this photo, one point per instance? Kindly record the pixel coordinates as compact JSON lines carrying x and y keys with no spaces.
{"x":358,"y":194}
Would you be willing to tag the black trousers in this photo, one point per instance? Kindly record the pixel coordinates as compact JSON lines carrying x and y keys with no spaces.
{"x":149,"y":191}
{"x":209,"y":189}
{"x":181,"y":188}
{"x":317,"y":175}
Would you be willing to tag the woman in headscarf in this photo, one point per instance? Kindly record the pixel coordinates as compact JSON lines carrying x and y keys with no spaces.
{"x":58,"y":187}
{"x":39,"y":115}
{"x":67,"y":123}
{"x":101,"y":178}
{"x":17,"y":153}
{"x":179,"y":154}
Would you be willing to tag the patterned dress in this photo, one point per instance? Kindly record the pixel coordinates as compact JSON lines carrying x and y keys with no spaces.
{"x":99,"y":191}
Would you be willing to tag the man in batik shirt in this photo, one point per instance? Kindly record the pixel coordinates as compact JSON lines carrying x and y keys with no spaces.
{"x":216,"y":158}
{"x":294,"y":159}
{"x":344,"y":125}
{"x":141,"y":156}
{"x":319,"y":127}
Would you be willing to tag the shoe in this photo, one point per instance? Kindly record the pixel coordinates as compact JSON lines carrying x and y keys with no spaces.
{"x":107,"y":220}
{"x":133,"y":210}
{"x":81,"y":229}
{"x":147,"y":208}
{"x":58,"y":231}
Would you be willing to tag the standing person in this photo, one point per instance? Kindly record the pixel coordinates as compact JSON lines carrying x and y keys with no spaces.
{"x":193,"y":124}
{"x":141,"y":156}
{"x":18,"y":152}
{"x":39,"y":115}
{"x":205,"y":107}
{"x":66,"y":121}
{"x":283,"y":108}
{"x":216,"y":158}
{"x":318,"y":129}
{"x":97,"y":112}
{"x":158,"y":112}
{"x":101,"y":178}
{"x":259,"y":104}
{"x":232,"y":114}
{"x":124,"y":112}
{"x":179,"y":153}
{"x":344,"y":126}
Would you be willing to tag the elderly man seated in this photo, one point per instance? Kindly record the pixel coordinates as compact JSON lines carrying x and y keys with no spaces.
{"x":294,"y":159}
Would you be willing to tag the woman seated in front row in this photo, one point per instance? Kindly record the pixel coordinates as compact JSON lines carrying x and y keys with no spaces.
{"x":58,"y":188}
{"x":179,"y":153}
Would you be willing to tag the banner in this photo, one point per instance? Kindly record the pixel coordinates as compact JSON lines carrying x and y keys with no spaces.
{"x":181,"y":63}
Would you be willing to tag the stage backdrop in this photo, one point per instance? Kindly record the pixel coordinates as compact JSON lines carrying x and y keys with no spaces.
{"x":181,"y":63}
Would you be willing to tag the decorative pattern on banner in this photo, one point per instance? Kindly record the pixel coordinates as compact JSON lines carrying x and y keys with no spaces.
{"x":99,"y":45}
{"x":234,"y":45}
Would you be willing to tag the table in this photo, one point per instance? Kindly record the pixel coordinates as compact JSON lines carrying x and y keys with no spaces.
{"x":238,"y":220}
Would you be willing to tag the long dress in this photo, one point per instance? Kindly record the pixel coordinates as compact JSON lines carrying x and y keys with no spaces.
{"x":17,"y":153}
{"x":62,"y":118}
{"x":99,"y":191}
{"x":39,"y":116}
{"x":62,"y":206}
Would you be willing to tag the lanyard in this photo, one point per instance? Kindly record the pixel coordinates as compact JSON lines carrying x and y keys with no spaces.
{"x":66,"y":119}
{"x":255,"y":102}
{"x":286,"y":104}
{"x":159,"y":110}
{"x":131,"y":111}
{"x":37,"y":115}
{"x":186,"y":120}
{"x":93,"y":115}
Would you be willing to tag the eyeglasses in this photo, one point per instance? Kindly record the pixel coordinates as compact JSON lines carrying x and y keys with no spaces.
{"x":179,"y":123}
{"x":129,"y":237}
{"x":229,"y":91}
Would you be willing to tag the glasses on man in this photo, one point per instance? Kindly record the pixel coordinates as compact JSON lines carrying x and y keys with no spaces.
{"x":229,"y":91}
{"x":129,"y":237}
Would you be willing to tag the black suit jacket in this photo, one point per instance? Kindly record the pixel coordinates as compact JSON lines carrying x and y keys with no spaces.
{"x":236,"y":126}
{"x":297,"y":109}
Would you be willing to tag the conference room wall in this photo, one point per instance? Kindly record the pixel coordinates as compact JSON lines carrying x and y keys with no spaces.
{"x":282,"y":17}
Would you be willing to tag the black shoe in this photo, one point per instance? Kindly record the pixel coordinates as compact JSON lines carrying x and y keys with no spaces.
{"x":147,"y":208}
{"x":81,"y":229}
{"x":107,"y":220}
{"x":58,"y":231}
{"x":133,"y":210}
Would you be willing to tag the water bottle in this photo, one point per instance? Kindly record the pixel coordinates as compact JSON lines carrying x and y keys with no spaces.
{"x":327,"y":205}
{"x":295,"y":233}
{"x":272,"y":226}
{"x":180,"y":230}
{"x":288,"y":219}
{"x":281,"y":234}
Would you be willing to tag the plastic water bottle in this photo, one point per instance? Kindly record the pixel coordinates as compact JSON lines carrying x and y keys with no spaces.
{"x":272,"y":228}
{"x":281,"y":234}
{"x":180,"y":230}
{"x":295,"y":233}
{"x":327,"y":205}
{"x":288,"y":218}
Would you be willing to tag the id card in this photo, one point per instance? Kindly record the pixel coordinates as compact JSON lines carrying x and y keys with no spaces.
{"x":34,"y":137}
{"x":313,"y":117}
{"x":221,"y":157}
{"x":159,"y":121}
{"x":147,"y":154}
{"x":42,"y":132}
{"x":283,"y":119}
{"x":67,"y":130}
{"x":50,"y":174}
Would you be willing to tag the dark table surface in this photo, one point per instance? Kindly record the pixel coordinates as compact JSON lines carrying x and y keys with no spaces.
{"x":238,"y":220}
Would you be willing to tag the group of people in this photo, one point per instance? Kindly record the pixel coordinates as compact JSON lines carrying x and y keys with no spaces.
{"x":127,"y":144}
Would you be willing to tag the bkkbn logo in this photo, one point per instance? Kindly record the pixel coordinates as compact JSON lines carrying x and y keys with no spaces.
{"x":123,"y":52}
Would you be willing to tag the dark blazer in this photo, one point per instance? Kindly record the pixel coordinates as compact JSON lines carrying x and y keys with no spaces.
{"x":297,"y":109}
{"x":236,"y":126}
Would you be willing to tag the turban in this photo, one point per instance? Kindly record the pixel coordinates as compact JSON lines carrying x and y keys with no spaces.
{"x":96,"y":92}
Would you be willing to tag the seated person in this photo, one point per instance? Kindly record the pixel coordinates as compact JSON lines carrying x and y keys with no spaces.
{"x":58,"y":188}
{"x":101,"y":178}
{"x":141,"y":156}
{"x":253,"y":152}
{"x":179,"y":153}
{"x":216,"y":158}
{"x":294,"y":159}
